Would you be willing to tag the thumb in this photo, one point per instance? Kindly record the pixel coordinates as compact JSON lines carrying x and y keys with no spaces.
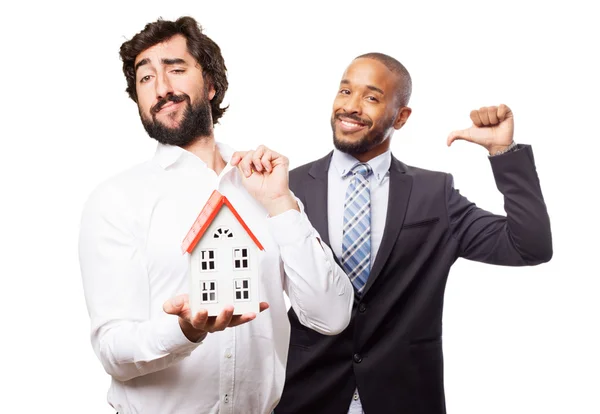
{"x":464,"y":134}
{"x":174,"y":305}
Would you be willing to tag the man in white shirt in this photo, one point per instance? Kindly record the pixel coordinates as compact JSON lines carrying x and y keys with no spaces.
{"x":161,"y":358}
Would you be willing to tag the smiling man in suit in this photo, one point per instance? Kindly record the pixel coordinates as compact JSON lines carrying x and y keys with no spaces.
{"x":396,"y":230}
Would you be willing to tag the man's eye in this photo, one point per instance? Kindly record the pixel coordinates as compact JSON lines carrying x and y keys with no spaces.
{"x":345,"y":92}
{"x":372,"y":98}
{"x":145,"y":79}
{"x":178,"y":70}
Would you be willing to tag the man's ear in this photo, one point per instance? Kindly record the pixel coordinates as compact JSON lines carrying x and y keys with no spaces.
{"x":211,"y":92}
{"x":402,"y":116}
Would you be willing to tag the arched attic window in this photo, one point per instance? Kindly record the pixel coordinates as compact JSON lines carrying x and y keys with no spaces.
{"x":223,"y":232}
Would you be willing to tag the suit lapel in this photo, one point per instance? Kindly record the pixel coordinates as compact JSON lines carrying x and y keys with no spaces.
{"x":399,"y":194}
{"x":316,"y":197}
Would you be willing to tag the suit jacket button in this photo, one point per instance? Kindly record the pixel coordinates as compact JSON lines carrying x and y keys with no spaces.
{"x":357,"y":358}
{"x":362,"y":308}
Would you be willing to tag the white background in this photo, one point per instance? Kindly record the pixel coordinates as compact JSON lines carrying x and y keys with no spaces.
{"x":516,"y":340}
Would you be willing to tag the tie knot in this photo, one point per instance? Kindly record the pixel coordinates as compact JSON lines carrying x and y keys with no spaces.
{"x":361,"y":168}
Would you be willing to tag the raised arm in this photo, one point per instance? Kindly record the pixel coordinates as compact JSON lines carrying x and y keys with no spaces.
{"x":521,"y":238}
{"x":319,"y":291}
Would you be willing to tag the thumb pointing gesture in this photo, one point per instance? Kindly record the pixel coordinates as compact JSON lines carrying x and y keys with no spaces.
{"x":492,"y":128}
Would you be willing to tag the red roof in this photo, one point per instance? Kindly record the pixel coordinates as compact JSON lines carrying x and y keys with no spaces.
{"x":206,"y":216}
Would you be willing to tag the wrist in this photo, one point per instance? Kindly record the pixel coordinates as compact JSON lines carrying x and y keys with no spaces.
{"x":501,"y":149}
{"x":281,"y":204}
{"x":192,"y":334}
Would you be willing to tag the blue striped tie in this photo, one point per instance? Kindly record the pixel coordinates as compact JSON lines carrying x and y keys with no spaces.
{"x":356,"y":243}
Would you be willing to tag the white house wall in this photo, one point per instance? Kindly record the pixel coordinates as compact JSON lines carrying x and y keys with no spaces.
{"x":225,"y":273}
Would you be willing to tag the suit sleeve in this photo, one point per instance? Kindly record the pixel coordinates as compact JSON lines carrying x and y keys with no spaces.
{"x":522,"y":237}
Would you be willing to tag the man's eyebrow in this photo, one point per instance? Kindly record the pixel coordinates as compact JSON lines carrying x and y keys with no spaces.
{"x":173,"y":61}
{"x":370,"y":87}
{"x":375,"y":88}
{"x":165,"y":61}
{"x":141,"y":63}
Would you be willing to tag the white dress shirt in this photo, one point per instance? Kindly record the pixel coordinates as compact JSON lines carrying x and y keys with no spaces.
{"x":131,"y":263}
{"x":379,"y":186}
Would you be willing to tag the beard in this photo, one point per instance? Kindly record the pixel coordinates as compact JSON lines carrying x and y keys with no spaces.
{"x":364,"y":144}
{"x":196,"y":121}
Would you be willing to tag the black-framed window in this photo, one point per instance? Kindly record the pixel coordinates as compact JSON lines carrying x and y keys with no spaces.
{"x":240,"y":259}
{"x":207,"y":260}
{"x":242,"y":289}
{"x":208,"y":290}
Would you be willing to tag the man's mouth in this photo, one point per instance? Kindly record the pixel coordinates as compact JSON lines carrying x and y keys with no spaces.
{"x":170,"y":101}
{"x":350,"y":125}
{"x":168,"y":107}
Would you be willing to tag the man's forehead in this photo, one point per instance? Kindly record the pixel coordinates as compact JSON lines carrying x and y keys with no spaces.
{"x":368,"y":66}
{"x":172,"y":48}
{"x":371,"y":72}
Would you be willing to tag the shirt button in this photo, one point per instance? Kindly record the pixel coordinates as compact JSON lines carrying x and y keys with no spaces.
{"x":362,"y":308}
{"x":355,"y":396}
{"x":357,"y":358}
{"x":227,"y":354}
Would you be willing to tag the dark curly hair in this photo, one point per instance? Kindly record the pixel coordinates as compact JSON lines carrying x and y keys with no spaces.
{"x":206,"y":52}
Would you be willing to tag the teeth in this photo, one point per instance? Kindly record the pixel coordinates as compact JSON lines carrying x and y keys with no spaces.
{"x":350,"y":124}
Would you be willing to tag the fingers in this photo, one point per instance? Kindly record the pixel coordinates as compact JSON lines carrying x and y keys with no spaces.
{"x":242,"y":319}
{"x":223,"y":320}
{"x":245,"y":165}
{"x":490,"y":115}
{"x":176,"y":305}
{"x":200,"y":320}
{"x":251,"y":161}
{"x":265,"y":161}
{"x":247,"y":317}
{"x":475,"y":118}
{"x":237,"y":157}
{"x":226,"y":319}
{"x":504,"y":112}
{"x":486,"y":116}
{"x":260,"y":160}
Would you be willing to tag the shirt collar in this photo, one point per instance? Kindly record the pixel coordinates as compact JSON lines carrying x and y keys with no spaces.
{"x":380,"y":165}
{"x":167,"y":155}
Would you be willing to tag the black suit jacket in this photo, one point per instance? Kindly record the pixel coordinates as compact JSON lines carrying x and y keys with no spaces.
{"x":392,"y":348}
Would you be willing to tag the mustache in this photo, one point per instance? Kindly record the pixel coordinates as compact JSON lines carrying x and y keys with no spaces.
{"x":353,"y":117}
{"x":168,"y":98}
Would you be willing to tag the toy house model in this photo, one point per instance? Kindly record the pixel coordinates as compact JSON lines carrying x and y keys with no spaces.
{"x":224,"y":260}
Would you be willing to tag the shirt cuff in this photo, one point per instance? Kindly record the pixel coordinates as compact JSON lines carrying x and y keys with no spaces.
{"x":171,"y":336}
{"x":289,"y":227}
{"x":514,"y":147}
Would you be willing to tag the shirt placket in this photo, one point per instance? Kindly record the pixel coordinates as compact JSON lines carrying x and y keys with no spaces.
{"x":228,"y":337}
{"x":227,"y":368}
